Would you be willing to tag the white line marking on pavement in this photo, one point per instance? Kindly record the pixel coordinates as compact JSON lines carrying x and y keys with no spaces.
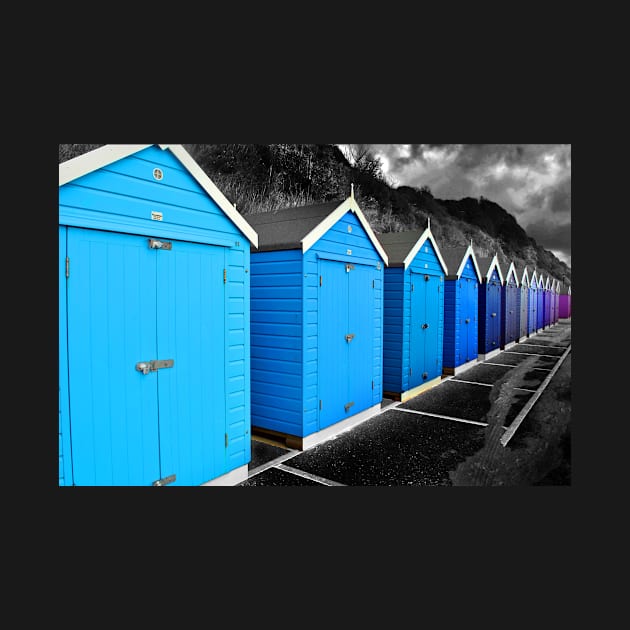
{"x":273,"y":462}
{"x":492,"y":385}
{"x":513,"y":366}
{"x":301,"y":473}
{"x":541,"y":345}
{"x":459,"y":380}
{"x":437,"y":415}
{"x":535,"y":354}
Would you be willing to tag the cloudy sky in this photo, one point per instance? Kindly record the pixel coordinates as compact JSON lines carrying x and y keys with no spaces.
{"x":531,"y":181}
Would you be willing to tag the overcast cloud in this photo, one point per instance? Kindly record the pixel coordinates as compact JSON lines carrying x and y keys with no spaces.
{"x":531,"y":181}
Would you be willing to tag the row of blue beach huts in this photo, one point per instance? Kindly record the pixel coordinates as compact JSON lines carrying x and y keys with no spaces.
{"x":184,"y":325}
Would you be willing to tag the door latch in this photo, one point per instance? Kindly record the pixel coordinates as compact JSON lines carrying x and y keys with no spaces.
{"x":153,"y":366}
{"x":424,"y":326}
{"x":350,"y":337}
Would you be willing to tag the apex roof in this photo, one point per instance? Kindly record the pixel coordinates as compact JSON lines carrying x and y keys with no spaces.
{"x":455,"y":259}
{"x":110,"y":153}
{"x":301,"y":227}
{"x":487,"y":264}
{"x":403,"y":247}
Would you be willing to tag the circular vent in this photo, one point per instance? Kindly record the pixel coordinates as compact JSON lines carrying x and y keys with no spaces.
{"x":157,"y":173}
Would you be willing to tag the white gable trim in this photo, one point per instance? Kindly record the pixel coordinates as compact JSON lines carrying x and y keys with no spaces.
{"x":494,"y":263}
{"x":418,"y":246}
{"x":89,"y":162}
{"x":219,"y":198}
{"x":349,"y":204}
{"x":469,"y":252}
{"x":93,"y":160}
{"x":525,"y":281}
{"x":511,"y":269}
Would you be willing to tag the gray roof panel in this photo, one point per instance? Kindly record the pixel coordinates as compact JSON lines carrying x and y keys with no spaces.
{"x":286,"y":228}
{"x":397,"y":245}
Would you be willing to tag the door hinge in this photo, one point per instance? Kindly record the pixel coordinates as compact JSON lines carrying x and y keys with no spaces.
{"x":67,"y":267}
{"x":410,"y":371}
{"x":412,"y":286}
{"x":372,"y":384}
{"x":320,"y":405}
{"x":373,"y":284}
{"x":226,"y":440}
{"x":164,"y":481}
{"x":320,"y":281}
{"x":224,"y":276}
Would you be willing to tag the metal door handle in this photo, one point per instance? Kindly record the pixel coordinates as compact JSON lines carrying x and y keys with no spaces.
{"x":425,"y":326}
{"x":143,"y":367}
{"x":494,"y":314}
{"x":468,"y":321}
{"x":350,"y":337}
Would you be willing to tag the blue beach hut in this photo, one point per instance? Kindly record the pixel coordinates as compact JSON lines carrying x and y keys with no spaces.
{"x":490,"y":313}
{"x":510,"y":304}
{"x":461,"y":303}
{"x":540,"y":304}
{"x":413,"y":328}
{"x":523,"y":281}
{"x":154,"y":381}
{"x":532,"y":304}
{"x":316,"y":321}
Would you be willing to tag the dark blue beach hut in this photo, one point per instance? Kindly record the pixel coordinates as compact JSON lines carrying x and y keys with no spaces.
{"x":316,"y":321}
{"x":523,"y":288}
{"x":413,"y":330}
{"x":510,"y":303}
{"x":532,"y":304}
{"x":154,"y":381}
{"x":461,"y":303}
{"x":490,"y":312}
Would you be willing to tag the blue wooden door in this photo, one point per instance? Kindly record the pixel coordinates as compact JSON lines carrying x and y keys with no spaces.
{"x":345,"y":340}
{"x":417,"y":319}
{"x":512,"y":313}
{"x":531,"y":310}
{"x":424,"y":321}
{"x":432,"y":338}
{"x":523,"y":304}
{"x":540,"y":311}
{"x":493,"y":313}
{"x":361,"y":347}
{"x":468,"y":323}
{"x":111,"y":311}
{"x":191,"y":330}
{"x":333,"y":348}
{"x":131,"y":303}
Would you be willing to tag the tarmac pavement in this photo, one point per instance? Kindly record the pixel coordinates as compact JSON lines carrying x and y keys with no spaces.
{"x":418,"y":442}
